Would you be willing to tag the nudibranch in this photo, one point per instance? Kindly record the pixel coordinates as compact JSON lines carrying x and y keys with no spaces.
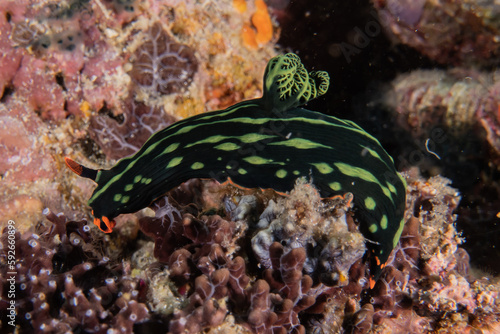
{"x":264,"y":143}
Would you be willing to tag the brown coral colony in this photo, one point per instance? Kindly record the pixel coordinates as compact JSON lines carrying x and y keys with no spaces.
{"x":162,"y":65}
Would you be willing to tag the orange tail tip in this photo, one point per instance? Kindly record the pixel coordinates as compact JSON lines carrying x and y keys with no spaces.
{"x":74,"y":166}
{"x":372,"y":282}
{"x":80,"y":170}
{"x":105,"y":225}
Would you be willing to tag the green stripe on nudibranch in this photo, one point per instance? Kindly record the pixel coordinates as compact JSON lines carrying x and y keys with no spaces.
{"x":264,"y":143}
{"x":383,"y":222}
{"x":171,"y":148}
{"x":246,"y":139}
{"x":363,"y":174}
{"x":300,"y":143}
{"x":256,"y":160}
{"x":227,"y":147}
{"x":335,"y":186}
{"x":398,"y":233}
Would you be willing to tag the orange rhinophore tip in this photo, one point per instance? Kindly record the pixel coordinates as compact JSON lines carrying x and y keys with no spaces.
{"x":372,"y":282}
{"x":74,"y":166}
{"x":105,"y":225}
{"x":80,"y":170}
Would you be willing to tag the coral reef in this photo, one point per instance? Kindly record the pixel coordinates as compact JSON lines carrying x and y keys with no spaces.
{"x":449,"y":32}
{"x":428,"y":273}
{"x":457,"y":99}
{"x":291,"y":289}
{"x":211,"y":257}
{"x":69,"y":75}
{"x":200,"y":253}
{"x":452,"y":117}
{"x":251,"y":261}
{"x":63,"y":281}
{"x":334,"y":244}
{"x":162,"y":66}
{"x":122,"y":136}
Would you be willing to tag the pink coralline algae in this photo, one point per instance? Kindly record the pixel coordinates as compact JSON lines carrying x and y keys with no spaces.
{"x":65,"y":67}
{"x":449,"y":32}
{"x":35,"y":81}
{"x":46,"y":60}
{"x":103,"y":81}
{"x":60,"y":60}
{"x":161,"y":65}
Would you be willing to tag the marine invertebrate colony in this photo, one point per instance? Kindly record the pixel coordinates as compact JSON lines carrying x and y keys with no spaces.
{"x":139,"y":123}
{"x":64,"y":283}
{"x":161,"y":65}
{"x":206,"y":253}
{"x":263,"y":143}
{"x":261,"y":20}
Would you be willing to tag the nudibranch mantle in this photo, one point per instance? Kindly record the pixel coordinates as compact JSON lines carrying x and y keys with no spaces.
{"x":264,"y":143}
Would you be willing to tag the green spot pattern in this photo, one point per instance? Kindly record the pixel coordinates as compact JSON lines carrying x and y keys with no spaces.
{"x":197,"y":165}
{"x":281,"y":173}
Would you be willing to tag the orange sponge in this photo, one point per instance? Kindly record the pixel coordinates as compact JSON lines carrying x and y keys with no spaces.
{"x":240,"y":5}
{"x":248,"y":35}
{"x":262,"y":22}
{"x":262,"y":30}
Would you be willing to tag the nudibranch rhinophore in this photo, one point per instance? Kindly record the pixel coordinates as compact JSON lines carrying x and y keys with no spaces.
{"x":264,"y":143}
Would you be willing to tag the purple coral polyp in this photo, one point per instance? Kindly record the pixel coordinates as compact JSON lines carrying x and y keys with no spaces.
{"x":53,"y":289}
